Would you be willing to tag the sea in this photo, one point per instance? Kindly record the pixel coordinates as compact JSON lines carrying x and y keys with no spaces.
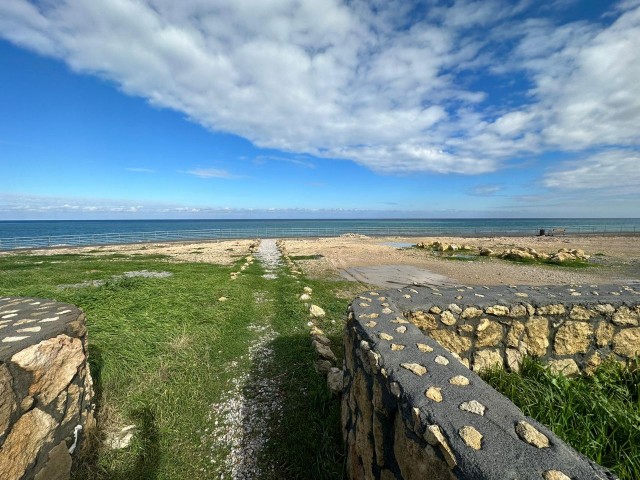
{"x":45,"y":233}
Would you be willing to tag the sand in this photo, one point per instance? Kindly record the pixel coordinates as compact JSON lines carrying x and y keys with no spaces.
{"x":367,"y":260}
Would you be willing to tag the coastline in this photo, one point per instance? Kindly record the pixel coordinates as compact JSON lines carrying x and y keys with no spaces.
{"x":615,"y":258}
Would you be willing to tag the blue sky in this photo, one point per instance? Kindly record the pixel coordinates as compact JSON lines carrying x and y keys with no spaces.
{"x":309,"y":108}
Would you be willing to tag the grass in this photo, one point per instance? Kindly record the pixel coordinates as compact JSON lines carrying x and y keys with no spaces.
{"x":161,"y":351}
{"x":599,"y":415}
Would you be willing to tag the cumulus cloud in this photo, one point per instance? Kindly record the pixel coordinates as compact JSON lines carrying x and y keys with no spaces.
{"x":388,"y":84}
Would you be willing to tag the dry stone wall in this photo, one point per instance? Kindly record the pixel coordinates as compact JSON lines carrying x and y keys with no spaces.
{"x":46,"y":391}
{"x":412,"y":408}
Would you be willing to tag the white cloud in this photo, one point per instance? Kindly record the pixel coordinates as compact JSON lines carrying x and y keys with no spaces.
{"x":210,"y":173}
{"x":140,"y":170}
{"x":383,"y":83}
{"x":617,"y":172}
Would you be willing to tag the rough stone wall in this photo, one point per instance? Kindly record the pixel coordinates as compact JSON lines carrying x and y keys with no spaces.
{"x":411,"y":407}
{"x":46,"y":390}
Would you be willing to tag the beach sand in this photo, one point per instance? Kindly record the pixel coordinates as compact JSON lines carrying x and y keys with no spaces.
{"x":615,"y":259}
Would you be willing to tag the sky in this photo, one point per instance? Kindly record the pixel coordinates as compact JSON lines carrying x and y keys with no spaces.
{"x":137,"y":109}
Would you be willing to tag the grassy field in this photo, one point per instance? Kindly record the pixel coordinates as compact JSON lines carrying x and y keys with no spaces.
{"x":599,"y":415}
{"x":170,"y":358}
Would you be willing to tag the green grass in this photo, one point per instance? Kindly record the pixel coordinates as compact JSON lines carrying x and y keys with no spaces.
{"x":599,"y":416}
{"x":160,"y":351}
{"x":538,"y":261}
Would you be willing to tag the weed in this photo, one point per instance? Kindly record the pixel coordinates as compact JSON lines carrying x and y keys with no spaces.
{"x":597,"y":415}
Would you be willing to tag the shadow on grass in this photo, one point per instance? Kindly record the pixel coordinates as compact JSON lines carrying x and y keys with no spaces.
{"x":305,"y":442}
{"x":87,"y":465}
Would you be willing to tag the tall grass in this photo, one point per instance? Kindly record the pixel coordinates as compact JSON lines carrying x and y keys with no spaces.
{"x":599,"y":415}
{"x":163,"y":350}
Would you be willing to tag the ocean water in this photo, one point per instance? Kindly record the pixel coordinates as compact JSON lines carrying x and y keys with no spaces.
{"x":25,"y":234}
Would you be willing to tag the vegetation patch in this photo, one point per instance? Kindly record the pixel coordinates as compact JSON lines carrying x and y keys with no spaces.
{"x":598,"y":415}
{"x":306,"y":257}
{"x":165,"y":351}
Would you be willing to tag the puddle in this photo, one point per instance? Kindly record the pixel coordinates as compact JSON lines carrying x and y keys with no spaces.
{"x":398,"y":244}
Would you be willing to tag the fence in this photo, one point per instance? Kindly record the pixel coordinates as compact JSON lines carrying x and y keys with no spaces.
{"x":271,"y":232}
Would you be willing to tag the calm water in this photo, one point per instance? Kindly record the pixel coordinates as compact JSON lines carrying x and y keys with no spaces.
{"x":16,"y":234}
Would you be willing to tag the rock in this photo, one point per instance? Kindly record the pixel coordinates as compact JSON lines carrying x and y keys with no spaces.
{"x":581,"y":313}
{"x":555,"y":475}
{"x":497,"y":310}
{"x":433,"y":435}
{"x":447,"y":318}
{"x":557,"y":309}
{"x":473,"y":406}
{"x":627,"y":342}
{"x":440,"y":360}
{"x":435,"y":310}
{"x":471,"y":312}
{"x":459,"y":380}
{"x":222,"y":299}
{"x":321,"y":339}
{"x":529,"y":434}
{"x":23,"y":443}
{"x":455,"y":308}
{"x":518,"y":311}
{"x":335,"y":380}
{"x":424,"y":347}
{"x":573,"y":337}
{"x":416,"y":462}
{"x":385,"y":336}
{"x":304,"y":297}
{"x":605,"y":309}
{"x":323,"y":351}
{"x":434,"y":393}
{"x":415,"y":368}
{"x":58,"y":466}
{"x":567,"y":367}
{"x":316,"y":311}
{"x":514,"y":359}
{"x":486,"y":360}
{"x":592,"y":362}
{"x":471,"y":436}
{"x":514,"y":334}
{"x":322,"y":366}
{"x":624,"y":316}
{"x":7,"y":398}
{"x":604,"y":333}
{"x":490,"y":335}
{"x":535,"y":340}
{"x":395,"y":347}
{"x":307,"y":290}
{"x":53,"y":363}
{"x":121,"y":439}
{"x":451,"y":341}
{"x":486,"y":252}
{"x":422,"y":320}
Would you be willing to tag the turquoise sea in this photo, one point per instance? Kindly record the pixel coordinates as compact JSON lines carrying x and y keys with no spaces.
{"x":24,"y":234}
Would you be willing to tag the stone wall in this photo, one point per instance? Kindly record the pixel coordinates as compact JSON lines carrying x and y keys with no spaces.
{"x":412,"y":408}
{"x":46,"y":390}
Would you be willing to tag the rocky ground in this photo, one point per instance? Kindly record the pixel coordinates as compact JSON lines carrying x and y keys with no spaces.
{"x":614,"y":259}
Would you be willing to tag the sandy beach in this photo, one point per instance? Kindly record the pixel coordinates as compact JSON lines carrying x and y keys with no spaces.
{"x":614,"y":259}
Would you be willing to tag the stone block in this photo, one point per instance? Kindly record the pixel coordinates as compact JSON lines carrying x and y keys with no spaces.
{"x":451,"y":341}
{"x":572,"y":337}
{"x":627,"y":342}
{"x":487,"y":359}
{"x":535,"y":340}
{"x":604,"y":333}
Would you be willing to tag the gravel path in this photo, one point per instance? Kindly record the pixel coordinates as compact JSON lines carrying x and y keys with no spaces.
{"x":241,"y":421}
{"x":269,"y":255}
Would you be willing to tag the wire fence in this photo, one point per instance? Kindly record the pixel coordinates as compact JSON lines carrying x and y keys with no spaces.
{"x":291,"y":232}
